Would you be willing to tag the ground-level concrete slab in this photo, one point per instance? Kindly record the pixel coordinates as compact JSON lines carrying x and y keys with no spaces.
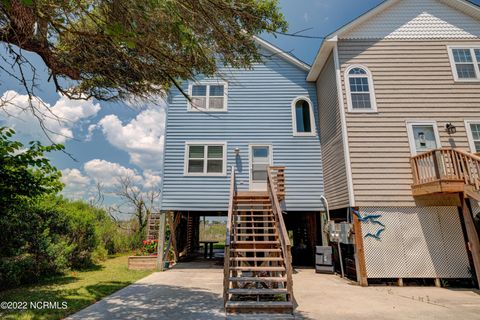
{"x":194,"y":291}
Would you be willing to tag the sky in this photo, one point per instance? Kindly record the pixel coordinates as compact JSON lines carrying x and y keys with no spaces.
{"x":106,"y":140}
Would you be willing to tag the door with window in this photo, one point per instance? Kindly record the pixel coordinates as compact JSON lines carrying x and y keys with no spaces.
{"x":260,"y":159}
{"x":423,"y":137}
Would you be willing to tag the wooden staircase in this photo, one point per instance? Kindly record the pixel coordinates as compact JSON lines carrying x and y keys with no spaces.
{"x":153,"y":226}
{"x":258,"y":272}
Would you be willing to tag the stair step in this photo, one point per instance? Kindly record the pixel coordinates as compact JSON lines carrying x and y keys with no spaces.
{"x":257,"y":291}
{"x":254,"y":210}
{"x":255,"y":234}
{"x":258,"y":310}
{"x":255,"y":250}
{"x":254,"y":228}
{"x":261,"y":269}
{"x":258,"y":279}
{"x":254,"y":221}
{"x":254,"y":242}
{"x":256,"y":259}
{"x":254,"y":215}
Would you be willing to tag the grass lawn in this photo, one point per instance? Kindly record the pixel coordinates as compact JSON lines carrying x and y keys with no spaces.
{"x":78,"y":289}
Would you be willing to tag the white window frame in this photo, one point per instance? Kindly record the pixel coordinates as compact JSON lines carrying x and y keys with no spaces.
{"x":471,"y":142}
{"x":411,"y":138}
{"x":208,"y":83}
{"x":294,"y":118}
{"x":205,"y":157}
{"x":371,"y":87}
{"x":453,"y":65}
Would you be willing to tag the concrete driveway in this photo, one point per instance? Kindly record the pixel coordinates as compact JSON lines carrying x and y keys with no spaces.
{"x":194,"y":291}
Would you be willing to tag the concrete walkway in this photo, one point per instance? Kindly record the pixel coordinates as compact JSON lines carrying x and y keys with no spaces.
{"x":194,"y":291}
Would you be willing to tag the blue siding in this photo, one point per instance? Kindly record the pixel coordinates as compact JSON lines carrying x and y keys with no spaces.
{"x":259,"y":112}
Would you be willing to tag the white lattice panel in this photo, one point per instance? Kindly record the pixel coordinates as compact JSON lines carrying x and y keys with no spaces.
{"x":418,"y":242}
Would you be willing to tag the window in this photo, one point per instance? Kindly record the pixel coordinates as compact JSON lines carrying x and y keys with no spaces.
{"x":423,"y":136}
{"x":205,"y":158}
{"x":360,"y":93}
{"x":465,"y":63}
{"x":473,"y":132}
{"x":210,"y":97}
{"x":303,"y":119}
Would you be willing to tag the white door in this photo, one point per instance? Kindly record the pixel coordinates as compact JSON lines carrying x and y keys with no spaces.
{"x":423,"y":137}
{"x":260,"y":159}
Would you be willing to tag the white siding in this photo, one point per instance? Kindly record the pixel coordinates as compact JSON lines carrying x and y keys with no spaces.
{"x":418,"y":19}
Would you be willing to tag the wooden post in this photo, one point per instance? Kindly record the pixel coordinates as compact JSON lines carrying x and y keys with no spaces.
{"x":400,"y":282}
{"x":472,"y":236}
{"x":161,"y":241}
{"x":359,"y":253}
{"x":438,"y":283}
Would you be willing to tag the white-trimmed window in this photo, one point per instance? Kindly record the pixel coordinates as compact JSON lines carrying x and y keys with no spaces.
{"x":360,"y":91}
{"x":303,"y":119}
{"x":208,"y":96}
{"x":205,"y":158}
{"x":473,"y":132}
{"x":465,"y":63}
{"x":423,"y":136}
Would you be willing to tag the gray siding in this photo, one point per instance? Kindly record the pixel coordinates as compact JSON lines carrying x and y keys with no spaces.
{"x":413,"y":81}
{"x":336,"y":189}
{"x":259,"y":111}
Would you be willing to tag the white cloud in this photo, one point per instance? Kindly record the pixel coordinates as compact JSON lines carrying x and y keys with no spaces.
{"x":107,"y":173}
{"x":76,"y":184}
{"x":151,"y":180}
{"x":59,"y":119}
{"x":142,"y":138}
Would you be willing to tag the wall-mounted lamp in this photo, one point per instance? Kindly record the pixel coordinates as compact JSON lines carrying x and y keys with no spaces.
{"x":236,"y":151}
{"x":451,"y":129}
{"x":421,"y":139}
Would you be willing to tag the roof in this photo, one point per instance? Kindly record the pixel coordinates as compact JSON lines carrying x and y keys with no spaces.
{"x":329,"y":43}
{"x":282,"y":54}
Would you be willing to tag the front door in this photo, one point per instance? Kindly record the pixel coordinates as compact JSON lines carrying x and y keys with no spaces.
{"x":260,"y":159}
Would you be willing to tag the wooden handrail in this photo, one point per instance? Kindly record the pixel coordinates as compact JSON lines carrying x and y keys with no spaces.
{"x":226,"y":262}
{"x":278,"y":176}
{"x":446,"y":164}
{"x":282,"y":230}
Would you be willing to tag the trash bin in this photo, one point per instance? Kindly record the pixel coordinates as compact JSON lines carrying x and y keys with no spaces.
{"x":323,"y":259}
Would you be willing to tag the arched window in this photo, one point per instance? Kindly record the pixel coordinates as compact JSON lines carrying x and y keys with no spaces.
{"x":303,"y":118}
{"x":360,"y":92}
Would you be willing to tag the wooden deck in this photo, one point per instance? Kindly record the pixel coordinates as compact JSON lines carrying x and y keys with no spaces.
{"x":446,"y":171}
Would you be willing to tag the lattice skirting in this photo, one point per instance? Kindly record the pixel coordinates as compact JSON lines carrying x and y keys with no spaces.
{"x":418,"y":242}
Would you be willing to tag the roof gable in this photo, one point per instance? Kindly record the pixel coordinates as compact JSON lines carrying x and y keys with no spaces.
{"x":282,"y":54}
{"x":417,"y":19}
{"x":406,"y":19}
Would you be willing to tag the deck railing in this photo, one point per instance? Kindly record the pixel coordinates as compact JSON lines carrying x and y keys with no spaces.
{"x":226,"y":266}
{"x":272,"y":188}
{"x":446,"y":165}
{"x":278,"y":177}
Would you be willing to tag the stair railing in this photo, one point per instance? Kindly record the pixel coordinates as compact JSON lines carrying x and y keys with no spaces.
{"x":446,"y":164}
{"x":282,"y":230}
{"x":226,"y":263}
{"x":278,"y":176}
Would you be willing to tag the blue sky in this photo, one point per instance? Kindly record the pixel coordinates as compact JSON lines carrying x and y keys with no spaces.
{"x":116,"y":139}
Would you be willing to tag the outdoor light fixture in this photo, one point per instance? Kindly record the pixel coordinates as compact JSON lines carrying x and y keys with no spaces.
{"x":451,"y":129}
{"x":421,"y":139}
{"x":237,"y":151}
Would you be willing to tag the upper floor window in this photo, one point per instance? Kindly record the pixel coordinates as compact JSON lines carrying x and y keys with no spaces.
{"x":205,"y":158}
{"x":303,"y":117}
{"x":465,"y":63}
{"x":210,"y":97}
{"x":473,"y":132}
{"x":360,"y":93}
